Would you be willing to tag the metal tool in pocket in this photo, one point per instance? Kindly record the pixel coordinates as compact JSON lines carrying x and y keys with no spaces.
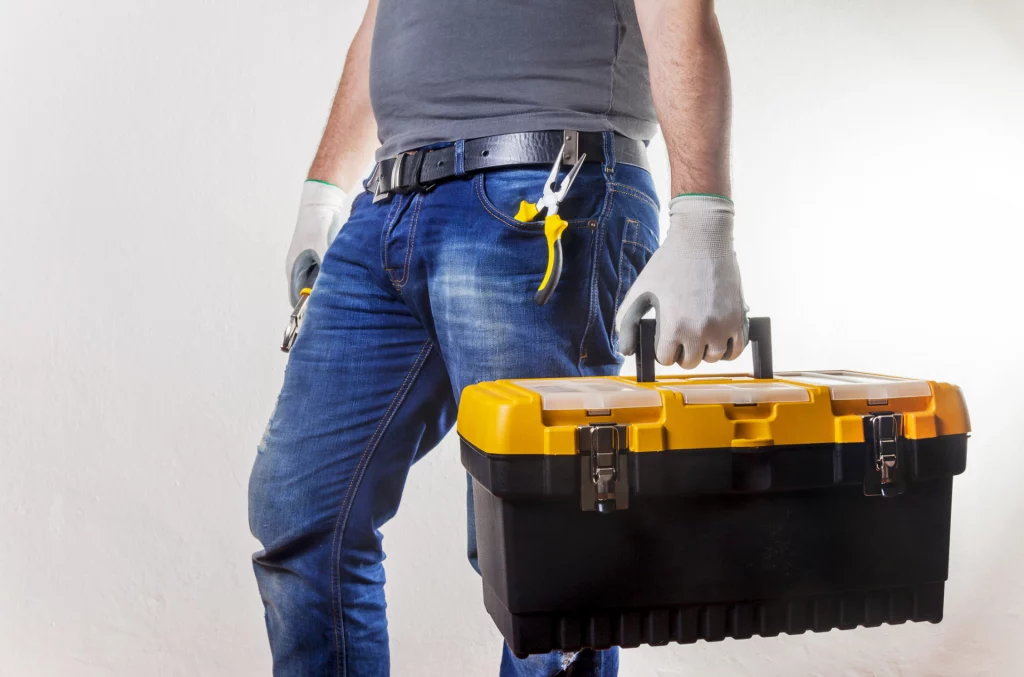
{"x":291,"y":332}
{"x":554,"y":225}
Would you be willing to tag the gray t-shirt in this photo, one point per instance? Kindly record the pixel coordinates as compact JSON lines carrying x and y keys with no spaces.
{"x":443,"y":70}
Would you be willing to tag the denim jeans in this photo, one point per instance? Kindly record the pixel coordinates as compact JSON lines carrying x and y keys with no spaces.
{"x":417,"y":298}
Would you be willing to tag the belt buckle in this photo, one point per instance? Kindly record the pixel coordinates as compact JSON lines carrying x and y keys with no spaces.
{"x":378,"y":196}
{"x":396,"y":178}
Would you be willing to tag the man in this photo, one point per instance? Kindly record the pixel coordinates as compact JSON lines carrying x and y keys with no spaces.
{"x":429,"y":285}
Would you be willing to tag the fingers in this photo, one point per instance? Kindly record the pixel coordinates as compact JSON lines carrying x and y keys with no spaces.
{"x":680,"y":340}
{"x":687,"y":344}
{"x":717,"y":349}
{"x":740,"y":336}
{"x":737,"y":342}
{"x":692,"y":353}
{"x":673,"y":348}
{"x":667,"y":351}
{"x":627,"y":321}
{"x":304,"y":273}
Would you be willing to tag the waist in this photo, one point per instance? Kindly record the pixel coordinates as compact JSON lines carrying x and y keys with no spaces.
{"x":418,"y":170}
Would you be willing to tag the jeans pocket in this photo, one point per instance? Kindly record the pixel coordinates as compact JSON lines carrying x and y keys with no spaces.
{"x":639,"y":242}
{"x":502,"y":191}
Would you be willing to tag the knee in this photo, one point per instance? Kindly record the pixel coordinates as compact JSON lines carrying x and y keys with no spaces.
{"x":279,"y":503}
{"x":297,"y":511}
{"x":264,"y":510}
{"x":285,"y":489}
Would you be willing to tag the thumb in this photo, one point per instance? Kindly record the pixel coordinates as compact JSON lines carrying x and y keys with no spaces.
{"x":304,"y":274}
{"x":634,"y":307}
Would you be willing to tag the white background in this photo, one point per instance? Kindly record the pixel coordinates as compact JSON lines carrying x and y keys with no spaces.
{"x":151,"y":157}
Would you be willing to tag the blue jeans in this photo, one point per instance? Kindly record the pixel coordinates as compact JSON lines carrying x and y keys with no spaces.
{"x":419,"y":297}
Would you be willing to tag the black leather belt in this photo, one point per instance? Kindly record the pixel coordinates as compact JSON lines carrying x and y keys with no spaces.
{"x":418,"y":170}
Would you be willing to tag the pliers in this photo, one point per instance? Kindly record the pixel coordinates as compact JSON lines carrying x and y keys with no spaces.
{"x":554,"y":225}
{"x":291,"y":332}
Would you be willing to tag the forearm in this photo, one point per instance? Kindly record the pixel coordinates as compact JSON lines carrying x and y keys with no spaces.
{"x":350,"y":136}
{"x":691,"y":89}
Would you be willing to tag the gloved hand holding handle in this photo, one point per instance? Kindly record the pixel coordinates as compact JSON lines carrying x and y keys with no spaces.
{"x":693,"y":284}
{"x":322,"y":211}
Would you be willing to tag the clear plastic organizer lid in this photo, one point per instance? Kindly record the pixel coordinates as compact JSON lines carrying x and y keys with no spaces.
{"x":741,"y":392}
{"x":852,"y":385}
{"x":590,"y":393}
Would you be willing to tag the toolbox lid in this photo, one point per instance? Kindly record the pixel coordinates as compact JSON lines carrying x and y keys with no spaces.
{"x":590,"y":393}
{"x":741,"y":392}
{"x":852,"y":385}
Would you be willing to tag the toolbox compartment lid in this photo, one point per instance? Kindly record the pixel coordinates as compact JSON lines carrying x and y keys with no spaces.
{"x":589,"y":394}
{"x":538,"y":416}
{"x":741,"y":392}
{"x":852,"y":385}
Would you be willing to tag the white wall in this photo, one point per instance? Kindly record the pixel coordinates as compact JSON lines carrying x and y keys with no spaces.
{"x":151,"y":155}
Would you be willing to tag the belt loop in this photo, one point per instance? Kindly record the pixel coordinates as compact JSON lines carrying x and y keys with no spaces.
{"x":608,"y":138}
{"x":460,"y":157}
{"x":571,"y":138}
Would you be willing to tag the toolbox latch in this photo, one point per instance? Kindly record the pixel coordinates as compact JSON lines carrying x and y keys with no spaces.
{"x":885,"y":475}
{"x":604,"y":473}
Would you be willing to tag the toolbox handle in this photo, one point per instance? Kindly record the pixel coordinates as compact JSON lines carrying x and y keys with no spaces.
{"x":759,"y":335}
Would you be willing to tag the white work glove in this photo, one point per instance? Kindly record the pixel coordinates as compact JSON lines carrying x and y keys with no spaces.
{"x":693,"y":284}
{"x":323,"y":210}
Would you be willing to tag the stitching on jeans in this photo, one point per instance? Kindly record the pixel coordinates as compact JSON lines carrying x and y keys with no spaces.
{"x":348,"y":499}
{"x":391,"y":229}
{"x":598,"y":240}
{"x":498,"y":215}
{"x":537,"y":227}
{"x":608,"y":139}
{"x":640,"y":245}
{"x":633,"y":192}
{"x":353,"y":487}
{"x":410,"y":243}
{"x":609,"y":170}
{"x":389,"y":226}
{"x":622,"y":258}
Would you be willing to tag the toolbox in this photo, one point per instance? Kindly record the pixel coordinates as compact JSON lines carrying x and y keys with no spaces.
{"x":613,"y":511}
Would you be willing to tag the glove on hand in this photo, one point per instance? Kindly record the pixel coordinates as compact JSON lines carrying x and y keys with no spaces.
{"x":693,"y":284}
{"x":322,"y":211}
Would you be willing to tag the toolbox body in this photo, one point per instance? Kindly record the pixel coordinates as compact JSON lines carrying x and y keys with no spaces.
{"x":611,"y":512}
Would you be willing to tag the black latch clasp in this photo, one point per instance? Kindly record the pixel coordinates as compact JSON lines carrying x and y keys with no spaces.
{"x":884,"y":475}
{"x":604,"y":473}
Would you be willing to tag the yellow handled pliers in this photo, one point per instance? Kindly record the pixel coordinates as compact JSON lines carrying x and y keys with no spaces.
{"x":554,"y":225}
{"x":291,"y":332}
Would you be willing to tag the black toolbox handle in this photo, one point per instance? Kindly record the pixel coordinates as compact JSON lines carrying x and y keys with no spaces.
{"x":759,"y":335}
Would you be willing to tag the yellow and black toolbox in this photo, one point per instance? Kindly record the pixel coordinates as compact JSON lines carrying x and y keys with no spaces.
{"x":613,"y":511}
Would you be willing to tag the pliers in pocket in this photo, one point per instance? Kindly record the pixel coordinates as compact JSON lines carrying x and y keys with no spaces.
{"x":554,"y":225}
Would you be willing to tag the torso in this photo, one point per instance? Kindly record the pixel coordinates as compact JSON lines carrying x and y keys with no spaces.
{"x":442,"y":70}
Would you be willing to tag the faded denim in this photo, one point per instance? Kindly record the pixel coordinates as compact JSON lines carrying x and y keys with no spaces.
{"x":418,"y":298}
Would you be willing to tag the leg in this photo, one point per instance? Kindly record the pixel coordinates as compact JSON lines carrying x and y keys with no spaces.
{"x":365,"y":393}
{"x":489,"y":327}
{"x":584,"y":663}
